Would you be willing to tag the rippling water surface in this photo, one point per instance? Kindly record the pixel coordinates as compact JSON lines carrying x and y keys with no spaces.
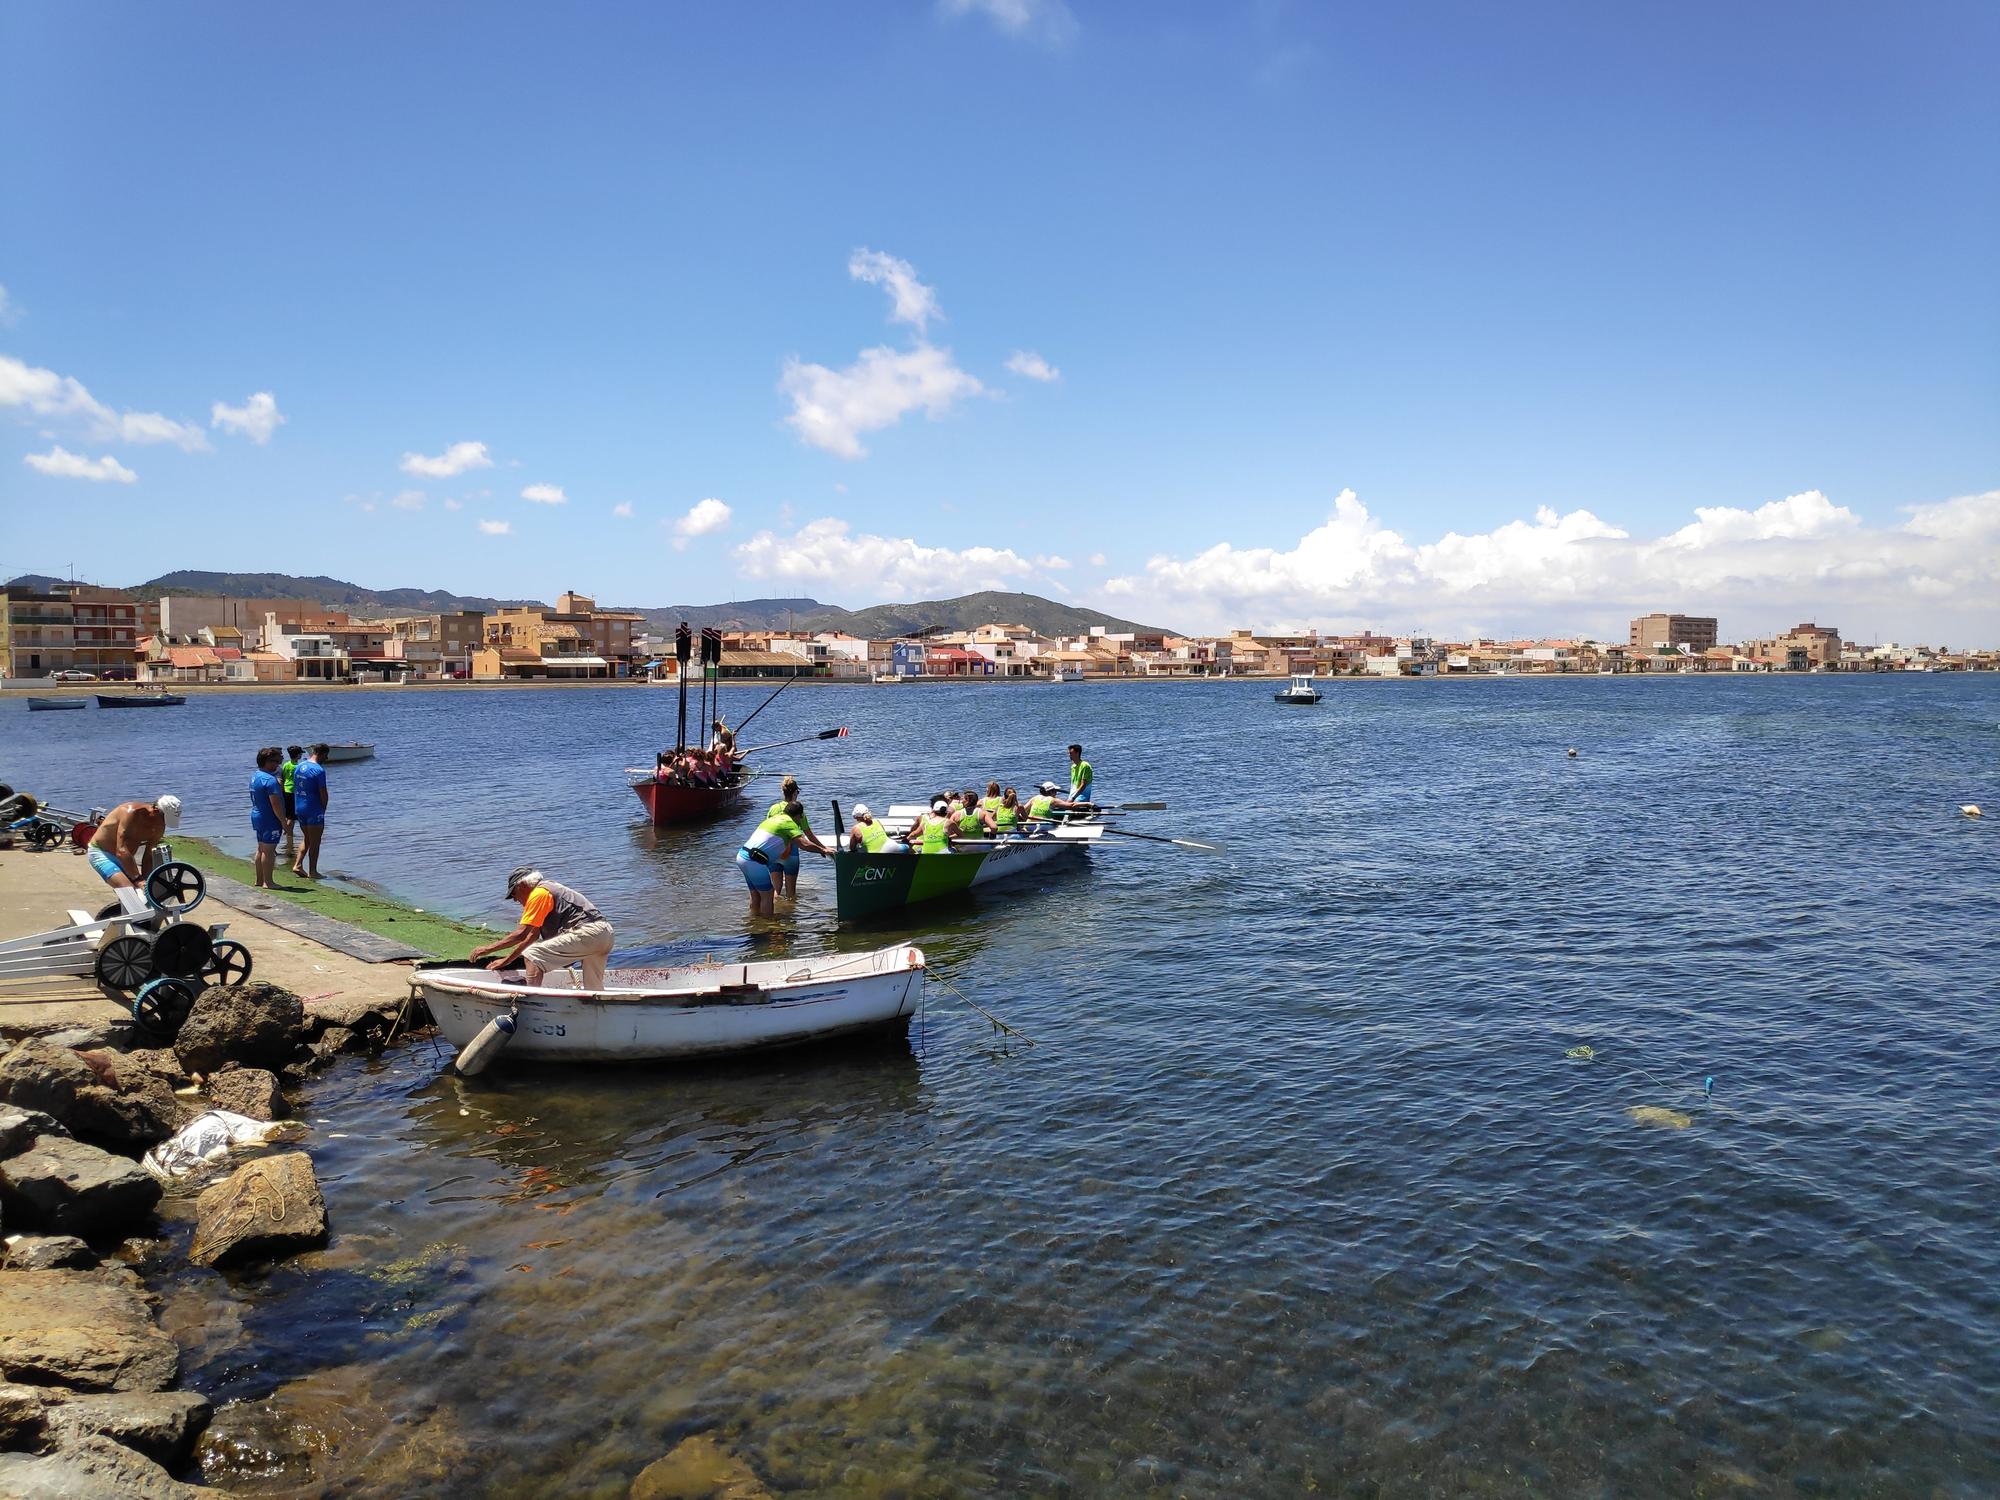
{"x":1296,"y":1188}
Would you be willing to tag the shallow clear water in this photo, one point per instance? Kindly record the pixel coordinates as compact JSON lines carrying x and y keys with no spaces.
{"x":1296,"y":1189}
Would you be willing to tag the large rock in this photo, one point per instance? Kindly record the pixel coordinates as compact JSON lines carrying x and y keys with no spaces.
{"x":138,"y":1111}
{"x":264,"y":1209}
{"x":355,"y":1012}
{"x":250,"y":1092}
{"x":81,"y":1330}
{"x":40,"y":1075}
{"x":19,"y":1127}
{"x":49,"y":1252}
{"x":159,"y":1061}
{"x":160,"y":1424}
{"x":699,"y":1469}
{"x":349,"y":1430}
{"x":74,"y":1188}
{"x":95,"y":1469}
{"x":256,"y":1024}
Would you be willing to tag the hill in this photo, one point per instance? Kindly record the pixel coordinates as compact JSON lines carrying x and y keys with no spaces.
{"x":1044,"y":616}
{"x":334,"y":593}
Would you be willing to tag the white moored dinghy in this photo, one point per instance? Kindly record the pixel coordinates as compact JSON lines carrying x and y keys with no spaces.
{"x":649,"y":1015}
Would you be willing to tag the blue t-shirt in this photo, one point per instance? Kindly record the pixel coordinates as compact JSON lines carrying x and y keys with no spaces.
{"x":264,"y":786}
{"x":308,"y":788}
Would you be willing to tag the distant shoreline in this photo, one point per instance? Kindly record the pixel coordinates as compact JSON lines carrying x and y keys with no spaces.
{"x":90,"y":689}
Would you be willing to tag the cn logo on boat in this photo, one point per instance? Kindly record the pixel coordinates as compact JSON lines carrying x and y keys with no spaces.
{"x":869,"y":874}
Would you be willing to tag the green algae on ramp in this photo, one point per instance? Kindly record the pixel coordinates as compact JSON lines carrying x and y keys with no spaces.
{"x":429,"y":933}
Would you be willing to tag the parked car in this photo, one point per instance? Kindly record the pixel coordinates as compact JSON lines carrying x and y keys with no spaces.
{"x":72,"y":675}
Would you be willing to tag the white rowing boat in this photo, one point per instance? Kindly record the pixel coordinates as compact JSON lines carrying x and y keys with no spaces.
{"x":650,"y":1015}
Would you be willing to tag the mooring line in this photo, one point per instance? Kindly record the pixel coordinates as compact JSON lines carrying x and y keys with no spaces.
{"x":998,"y":1024}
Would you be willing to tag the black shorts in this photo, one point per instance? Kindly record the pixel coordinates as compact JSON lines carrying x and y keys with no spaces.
{"x":291,"y":808}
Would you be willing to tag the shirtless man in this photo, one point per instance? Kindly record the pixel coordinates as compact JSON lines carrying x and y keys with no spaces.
{"x":124,"y":842}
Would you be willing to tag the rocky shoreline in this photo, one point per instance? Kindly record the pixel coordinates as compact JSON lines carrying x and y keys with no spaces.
{"x":88,"y":1405}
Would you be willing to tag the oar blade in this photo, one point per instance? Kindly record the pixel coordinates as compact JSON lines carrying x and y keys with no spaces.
{"x":1142,"y":807}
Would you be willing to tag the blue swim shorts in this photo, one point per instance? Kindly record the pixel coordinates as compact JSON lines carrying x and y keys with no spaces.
{"x":790,"y":863}
{"x":756,"y":872}
{"x":316,"y":818}
{"x":268,"y":833}
{"x":102,"y":862}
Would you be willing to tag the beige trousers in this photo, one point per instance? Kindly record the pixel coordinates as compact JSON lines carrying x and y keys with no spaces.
{"x":591,"y":943}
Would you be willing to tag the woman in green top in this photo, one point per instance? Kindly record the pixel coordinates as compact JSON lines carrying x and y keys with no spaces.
{"x":974,"y":821}
{"x":777,"y":836}
{"x":786,"y":875}
{"x":1007,"y":816}
{"x":933,"y":830}
{"x":991,"y":801}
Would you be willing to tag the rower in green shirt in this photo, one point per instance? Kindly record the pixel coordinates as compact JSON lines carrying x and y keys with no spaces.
{"x":1007,"y":816}
{"x":933,"y":830}
{"x":991,"y":801}
{"x":974,"y":821}
{"x":1080,"y":787}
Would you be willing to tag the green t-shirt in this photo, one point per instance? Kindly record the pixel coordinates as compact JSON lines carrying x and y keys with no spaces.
{"x":873,"y":836}
{"x":285,"y":775}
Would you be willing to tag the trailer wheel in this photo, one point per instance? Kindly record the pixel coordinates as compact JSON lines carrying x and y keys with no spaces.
{"x":182,"y":951}
{"x":162,"y":1006}
{"x":43,"y":835}
{"x":125,"y":963}
{"x":111,"y":909}
{"x":228,"y":963}
{"x":176,"y":887}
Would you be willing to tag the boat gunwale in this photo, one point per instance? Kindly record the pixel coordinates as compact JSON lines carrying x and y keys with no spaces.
{"x":680,"y":998}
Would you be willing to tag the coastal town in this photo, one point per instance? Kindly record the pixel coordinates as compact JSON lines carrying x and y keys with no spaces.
{"x":81,"y":633}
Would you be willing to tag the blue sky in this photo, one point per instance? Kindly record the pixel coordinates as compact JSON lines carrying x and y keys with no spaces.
{"x":1590,"y":308}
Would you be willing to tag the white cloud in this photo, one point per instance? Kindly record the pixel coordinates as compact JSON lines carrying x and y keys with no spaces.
{"x":456,"y":459}
{"x":1045,"y":21}
{"x":496,"y":528}
{"x":63,"y":464}
{"x":545,"y":494}
{"x":256,"y":419}
{"x":43,"y":393}
{"x":825,"y":551}
{"x":454,"y":505}
{"x":623,"y":510}
{"x":703,"y":517}
{"x":832,"y":408}
{"x":910,"y":301}
{"x":10,"y":310}
{"x":1096,"y":559}
{"x":407,"y":500}
{"x":1802,"y":557}
{"x":1027,"y":362}
{"x":1051,"y":562}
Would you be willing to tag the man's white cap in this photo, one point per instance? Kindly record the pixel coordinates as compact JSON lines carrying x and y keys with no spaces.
{"x":170,"y":809}
{"x":938,"y":806}
{"x":1049,"y":786}
{"x":861,"y":810}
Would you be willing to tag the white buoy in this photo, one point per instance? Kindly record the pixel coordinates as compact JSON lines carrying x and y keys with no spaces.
{"x":1971,"y":810}
{"x":1572,"y":752}
{"x":482,"y":1049}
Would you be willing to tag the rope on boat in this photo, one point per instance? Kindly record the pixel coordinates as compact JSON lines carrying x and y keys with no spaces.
{"x":998,"y":1024}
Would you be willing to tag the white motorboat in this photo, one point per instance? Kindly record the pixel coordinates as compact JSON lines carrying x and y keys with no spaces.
{"x":650,"y":1015}
{"x":1300,"y":691}
{"x":886,"y":677}
{"x":340,"y":755}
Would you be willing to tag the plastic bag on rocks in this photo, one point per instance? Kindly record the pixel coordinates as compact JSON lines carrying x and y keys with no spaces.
{"x":208,"y":1137}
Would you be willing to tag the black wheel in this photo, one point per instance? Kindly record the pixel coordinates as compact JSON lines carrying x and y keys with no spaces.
{"x":176,"y":887}
{"x":18,"y":805}
{"x":125,"y":963}
{"x":182,"y":951}
{"x":228,"y":963}
{"x":162,"y":1006}
{"x":44,"y":835}
{"x":111,"y":909}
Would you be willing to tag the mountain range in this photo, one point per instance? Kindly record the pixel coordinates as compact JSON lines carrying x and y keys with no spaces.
{"x":1044,"y":616}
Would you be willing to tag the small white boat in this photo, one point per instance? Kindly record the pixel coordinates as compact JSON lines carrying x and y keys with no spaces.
{"x":1300,"y":691}
{"x":337,"y":755}
{"x":651,"y":1015}
{"x":44,"y":705}
{"x":1066,"y":674}
{"x":887,"y":677}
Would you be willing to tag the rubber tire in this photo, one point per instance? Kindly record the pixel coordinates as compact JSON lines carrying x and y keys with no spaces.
{"x":221,"y":962}
{"x":182,"y":951}
{"x":161,"y":1007}
{"x":170,"y":879}
{"x":122,"y":966}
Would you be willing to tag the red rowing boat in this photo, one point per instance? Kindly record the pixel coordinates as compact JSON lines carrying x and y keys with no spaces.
{"x":667,"y":803}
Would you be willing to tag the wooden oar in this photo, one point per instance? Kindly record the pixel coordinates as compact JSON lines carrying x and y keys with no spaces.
{"x":1160,"y":838}
{"x":824,"y":734}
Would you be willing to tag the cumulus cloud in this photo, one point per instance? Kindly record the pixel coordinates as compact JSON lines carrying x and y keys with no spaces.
{"x":826,"y":551}
{"x":60,"y":463}
{"x":702,"y":518}
{"x":44,"y":393}
{"x":256,"y":419}
{"x":1096,"y":559}
{"x":456,"y":459}
{"x":496,"y":528}
{"x":10,"y":310}
{"x":1051,"y":562}
{"x":832,"y":408}
{"x":545,"y":494}
{"x":622,"y":510}
{"x":1027,"y":362}
{"x":407,"y":500}
{"x":1796,"y":558}
{"x":1046,"y":21}
{"x":910,"y":301}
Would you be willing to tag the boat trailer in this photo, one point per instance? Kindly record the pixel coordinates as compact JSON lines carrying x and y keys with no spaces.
{"x":141,"y":945}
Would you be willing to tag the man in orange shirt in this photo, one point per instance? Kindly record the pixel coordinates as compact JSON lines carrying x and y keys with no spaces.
{"x":558,"y":925}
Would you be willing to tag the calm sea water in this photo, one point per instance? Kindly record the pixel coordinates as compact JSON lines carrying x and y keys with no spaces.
{"x":1296,"y":1189}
